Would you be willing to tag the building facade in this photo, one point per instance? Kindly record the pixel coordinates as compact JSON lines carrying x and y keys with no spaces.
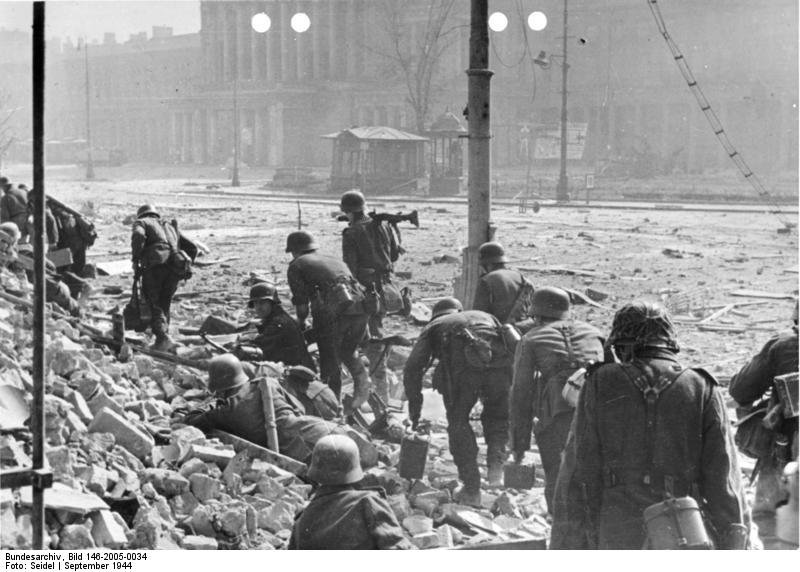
{"x":172,"y":98}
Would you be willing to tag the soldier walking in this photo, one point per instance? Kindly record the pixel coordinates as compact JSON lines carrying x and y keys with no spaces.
{"x":501,"y":291}
{"x":546,"y":356}
{"x":369,"y":250}
{"x":473,"y":363}
{"x":324,"y":286}
{"x":647,"y":429}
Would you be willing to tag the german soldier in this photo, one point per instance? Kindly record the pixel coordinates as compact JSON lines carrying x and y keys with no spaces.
{"x":647,"y":429}
{"x":502,"y":292}
{"x":279,"y":337}
{"x":325,"y":286}
{"x":779,"y":356}
{"x":316,"y":397}
{"x":473,"y":364}
{"x":154,"y":244}
{"x":546,"y":356}
{"x":367,"y":251}
{"x":341,"y":514}
{"x":239,"y":409}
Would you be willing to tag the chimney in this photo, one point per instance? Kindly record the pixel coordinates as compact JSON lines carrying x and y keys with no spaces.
{"x":162,"y":32}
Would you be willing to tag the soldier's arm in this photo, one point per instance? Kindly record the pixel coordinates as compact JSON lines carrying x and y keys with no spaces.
{"x":299,"y":294}
{"x":350,"y":251}
{"x":482,"y":300}
{"x":382,"y":523}
{"x":721,"y":484}
{"x":754,"y":378}
{"x":138,"y":239}
{"x":521,"y":401}
{"x":415,"y":368}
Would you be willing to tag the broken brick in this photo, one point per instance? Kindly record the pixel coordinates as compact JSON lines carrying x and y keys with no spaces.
{"x":102,"y":399}
{"x":127,"y":435}
{"x":220,"y":457}
{"x":204,"y":487}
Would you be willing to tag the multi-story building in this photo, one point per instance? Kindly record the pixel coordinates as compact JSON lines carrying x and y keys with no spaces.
{"x":172,"y":97}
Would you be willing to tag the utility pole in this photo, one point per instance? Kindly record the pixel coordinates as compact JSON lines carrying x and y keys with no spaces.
{"x":89,"y":161}
{"x":562,"y":190}
{"x":235,"y":174}
{"x":479,"y":134}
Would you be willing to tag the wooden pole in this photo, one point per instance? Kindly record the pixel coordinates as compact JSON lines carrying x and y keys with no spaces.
{"x":478,"y":98}
{"x":38,"y":198}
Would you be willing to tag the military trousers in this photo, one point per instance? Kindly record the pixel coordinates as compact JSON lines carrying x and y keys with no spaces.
{"x":376,"y":355}
{"x":159,"y":284}
{"x":338,"y":338}
{"x":551,"y":441}
{"x":469,"y":385}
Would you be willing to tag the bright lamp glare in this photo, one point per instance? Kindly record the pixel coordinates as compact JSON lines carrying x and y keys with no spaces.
{"x":260,"y":22}
{"x":537,"y":21}
{"x":300,"y":22}
{"x":498,"y":22}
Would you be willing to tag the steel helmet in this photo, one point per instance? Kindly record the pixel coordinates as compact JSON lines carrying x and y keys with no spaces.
{"x":335,"y":461}
{"x":643,"y":324}
{"x":352,"y":202}
{"x":492,"y":253}
{"x":301,"y":241}
{"x":225,"y":373}
{"x":263,"y":291}
{"x":550,"y":302}
{"x":11,"y":229}
{"x":146,"y":210}
{"x":446,"y":306}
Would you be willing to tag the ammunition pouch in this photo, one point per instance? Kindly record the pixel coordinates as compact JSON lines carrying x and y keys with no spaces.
{"x":181,"y":264}
{"x":752,"y":437}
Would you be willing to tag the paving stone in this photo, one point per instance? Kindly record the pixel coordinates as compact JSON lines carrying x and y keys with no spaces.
{"x":127,"y":435}
{"x":221,"y":457}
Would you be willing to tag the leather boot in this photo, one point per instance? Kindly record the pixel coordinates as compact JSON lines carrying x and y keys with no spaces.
{"x":469,"y":495}
{"x":163,"y":343}
{"x":495,"y":475}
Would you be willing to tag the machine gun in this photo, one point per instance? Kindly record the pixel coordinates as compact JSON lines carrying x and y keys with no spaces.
{"x":392,"y":219}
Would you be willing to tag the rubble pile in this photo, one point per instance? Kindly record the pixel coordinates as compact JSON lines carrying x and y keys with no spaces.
{"x":128,"y":475}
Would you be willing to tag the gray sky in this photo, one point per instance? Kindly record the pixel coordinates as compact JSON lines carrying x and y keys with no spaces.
{"x":76,"y":19}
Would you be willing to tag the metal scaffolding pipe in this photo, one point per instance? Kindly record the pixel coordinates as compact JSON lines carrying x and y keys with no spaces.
{"x":38,"y":197}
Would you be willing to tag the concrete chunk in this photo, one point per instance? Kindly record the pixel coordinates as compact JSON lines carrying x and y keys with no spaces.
{"x":129,"y":437}
{"x":204,"y":487}
{"x":220,"y":457}
{"x":80,"y":407}
{"x":193,"y":466}
{"x":75,"y":537}
{"x":193,"y":542}
{"x":166,"y":482}
{"x":102,"y":399}
{"x":426,"y":540}
{"x":106,"y":531}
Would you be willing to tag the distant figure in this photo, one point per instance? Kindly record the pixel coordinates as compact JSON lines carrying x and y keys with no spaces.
{"x":14,"y":205}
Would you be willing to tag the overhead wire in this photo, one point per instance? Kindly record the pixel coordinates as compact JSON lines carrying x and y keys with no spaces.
{"x":713,"y":119}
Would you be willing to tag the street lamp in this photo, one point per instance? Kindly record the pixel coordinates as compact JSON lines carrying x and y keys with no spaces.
{"x":235,"y":170}
{"x":89,"y":161}
{"x":562,"y":188}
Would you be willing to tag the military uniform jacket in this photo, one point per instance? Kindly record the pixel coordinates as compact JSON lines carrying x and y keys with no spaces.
{"x":312,"y":275}
{"x":280,"y":339}
{"x":365,"y":250}
{"x":347,"y":518}
{"x":496,"y":293}
{"x":440,"y":340}
{"x":153,"y":241}
{"x":626,"y":460}
{"x":14,"y":207}
{"x":778,"y":356}
{"x":243,"y":414}
{"x":545,"y":357}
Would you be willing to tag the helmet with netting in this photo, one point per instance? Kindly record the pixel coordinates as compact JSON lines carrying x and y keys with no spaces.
{"x":643,"y":324}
